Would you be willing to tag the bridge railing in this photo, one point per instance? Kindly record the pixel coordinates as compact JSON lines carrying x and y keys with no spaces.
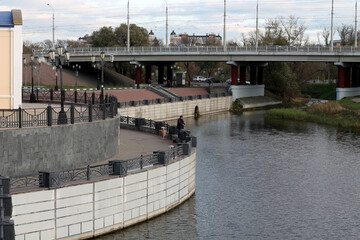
{"x":202,"y":49}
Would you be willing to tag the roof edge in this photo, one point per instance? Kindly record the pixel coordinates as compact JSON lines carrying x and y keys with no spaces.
{"x":17,"y":17}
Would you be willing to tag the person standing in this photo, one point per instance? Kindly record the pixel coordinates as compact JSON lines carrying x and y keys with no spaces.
{"x":180,"y":125}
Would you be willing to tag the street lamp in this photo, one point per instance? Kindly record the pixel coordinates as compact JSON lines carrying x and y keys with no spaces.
{"x":102,"y":63}
{"x":33,"y":65}
{"x":25,"y":72}
{"x":76,"y":68}
{"x":166,"y":23}
{"x":58,"y":61}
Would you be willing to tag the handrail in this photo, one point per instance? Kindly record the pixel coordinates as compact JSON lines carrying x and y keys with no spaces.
{"x":205,"y":49}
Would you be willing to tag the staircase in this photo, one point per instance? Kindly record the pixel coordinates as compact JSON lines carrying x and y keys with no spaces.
{"x":162,"y":92}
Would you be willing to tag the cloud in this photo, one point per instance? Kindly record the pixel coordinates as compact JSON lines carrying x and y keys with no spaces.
{"x":75,"y":18}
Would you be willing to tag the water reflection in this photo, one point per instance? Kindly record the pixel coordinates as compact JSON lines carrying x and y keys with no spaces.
{"x":265,"y":179}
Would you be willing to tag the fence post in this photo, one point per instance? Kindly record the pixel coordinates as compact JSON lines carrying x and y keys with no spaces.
{"x":20,"y":117}
{"x":51,"y":95}
{"x":72,"y":113}
{"x":103,"y":107}
{"x":75,"y":97}
{"x":49,"y":115}
{"x":111,"y":109}
{"x":88,"y":172}
{"x":85,"y":97}
{"x":93,"y":98}
{"x":7,"y":230}
{"x":90,"y":112}
{"x":141,"y":161}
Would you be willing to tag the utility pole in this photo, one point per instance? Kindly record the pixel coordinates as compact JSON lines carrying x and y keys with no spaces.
{"x":128,"y":27}
{"x":53,"y":27}
{"x":257,"y":25}
{"x":332,"y":27}
{"x":167,"y":43}
{"x":356,"y":34}
{"x":224,"y":41}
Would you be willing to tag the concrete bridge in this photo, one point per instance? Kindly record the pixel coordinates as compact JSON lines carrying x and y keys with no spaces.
{"x":241,"y":59}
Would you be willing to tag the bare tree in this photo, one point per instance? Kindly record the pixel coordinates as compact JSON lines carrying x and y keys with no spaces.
{"x":347,"y":34}
{"x":293,"y":30}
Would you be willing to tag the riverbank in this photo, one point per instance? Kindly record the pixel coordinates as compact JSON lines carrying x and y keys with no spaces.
{"x":344,"y":113}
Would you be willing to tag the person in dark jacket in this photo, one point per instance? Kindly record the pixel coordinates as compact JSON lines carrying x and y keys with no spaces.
{"x":180,"y":125}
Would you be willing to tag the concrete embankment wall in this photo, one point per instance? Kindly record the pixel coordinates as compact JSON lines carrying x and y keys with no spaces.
{"x":91,"y":209}
{"x":167,"y":111}
{"x":28,"y":150}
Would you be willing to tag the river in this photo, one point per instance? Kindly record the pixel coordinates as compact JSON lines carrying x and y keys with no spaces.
{"x":265,"y":179}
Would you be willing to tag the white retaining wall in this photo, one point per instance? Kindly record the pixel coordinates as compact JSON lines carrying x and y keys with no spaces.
{"x":167,"y":111}
{"x":92,"y":209}
{"x":243,"y":91}
{"x":347,"y":92}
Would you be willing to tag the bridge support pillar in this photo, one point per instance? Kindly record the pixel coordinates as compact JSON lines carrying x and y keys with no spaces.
{"x":138,"y":76}
{"x":346,"y":87}
{"x":242,"y":75}
{"x":169,"y":77}
{"x":234,"y":75}
{"x":260,"y":75}
{"x":148,"y":74}
{"x":355,"y":77}
{"x":161,"y":74}
{"x":253,"y":75}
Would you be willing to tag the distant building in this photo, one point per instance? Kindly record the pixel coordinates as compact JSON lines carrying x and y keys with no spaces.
{"x":85,"y":41}
{"x":194,"y":40}
{"x":337,"y":43}
{"x":11,"y":67}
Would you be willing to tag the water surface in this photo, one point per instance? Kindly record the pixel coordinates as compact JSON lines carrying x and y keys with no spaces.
{"x":265,"y":179}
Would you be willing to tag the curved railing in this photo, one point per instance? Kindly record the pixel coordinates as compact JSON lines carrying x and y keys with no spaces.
{"x":54,"y":179}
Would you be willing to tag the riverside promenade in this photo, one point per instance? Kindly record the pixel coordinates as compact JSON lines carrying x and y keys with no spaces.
{"x":131,"y":143}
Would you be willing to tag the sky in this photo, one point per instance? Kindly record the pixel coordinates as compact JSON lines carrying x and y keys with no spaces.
{"x":75,"y":18}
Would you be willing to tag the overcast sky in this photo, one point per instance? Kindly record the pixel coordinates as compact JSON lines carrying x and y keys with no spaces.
{"x":75,"y":18}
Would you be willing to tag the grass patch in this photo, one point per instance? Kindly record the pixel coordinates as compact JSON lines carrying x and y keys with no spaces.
{"x":350,"y":104}
{"x":320,"y":90}
{"x":331,"y":113}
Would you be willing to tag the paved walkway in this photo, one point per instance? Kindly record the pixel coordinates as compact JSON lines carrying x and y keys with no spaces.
{"x":134,"y":144}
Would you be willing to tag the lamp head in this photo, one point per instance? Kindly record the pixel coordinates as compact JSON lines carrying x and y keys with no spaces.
{"x":52,"y":55}
{"x":102,"y":55}
{"x":67,"y":55}
{"x":59,"y":50}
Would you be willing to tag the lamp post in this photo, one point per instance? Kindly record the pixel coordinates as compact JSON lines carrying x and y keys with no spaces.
{"x":58,"y":61}
{"x":56,"y":82}
{"x":25,"y":72}
{"x":33,"y":65}
{"x":102,"y":63}
{"x":167,"y":43}
{"x":76,"y":68}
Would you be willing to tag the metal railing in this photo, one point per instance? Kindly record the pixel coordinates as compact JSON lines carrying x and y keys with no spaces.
{"x":19,"y":118}
{"x":45,"y":95}
{"x":55,"y":179}
{"x":122,"y":51}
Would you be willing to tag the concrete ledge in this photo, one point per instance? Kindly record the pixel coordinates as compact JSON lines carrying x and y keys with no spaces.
{"x":347,"y":92}
{"x":243,"y":91}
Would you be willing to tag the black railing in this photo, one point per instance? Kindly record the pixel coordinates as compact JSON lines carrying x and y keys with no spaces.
{"x":19,"y":118}
{"x":54,"y":179}
{"x":83,"y":97}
